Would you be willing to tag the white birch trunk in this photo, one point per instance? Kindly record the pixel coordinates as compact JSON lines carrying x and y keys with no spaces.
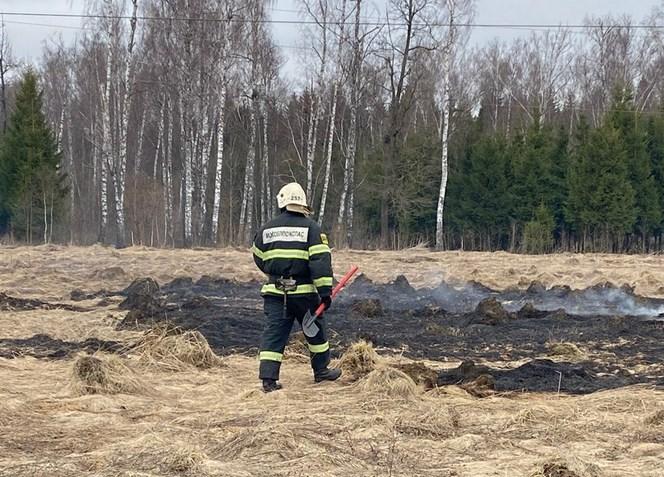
{"x":71,"y":171}
{"x":221,"y":125}
{"x":444,"y":147}
{"x":328,"y":160}
{"x":311,"y":146}
{"x":45,"y":216}
{"x":207,"y":154}
{"x":106,"y":143}
{"x":160,"y":134}
{"x":333,"y":114}
{"x":121,"y":166}
{"x":93,"y":146}
{"x":187,"y":196}
{"x":266,"y":164}
{"x":247,"y":207}
{"x":447,"y":64}
{"x":349,"y":169}
{"x":61,"y":126}
{"x":139,"y":149}
{"x":167,"y":174}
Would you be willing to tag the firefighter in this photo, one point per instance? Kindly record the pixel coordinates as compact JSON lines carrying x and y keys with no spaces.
{"x":294,"y":254}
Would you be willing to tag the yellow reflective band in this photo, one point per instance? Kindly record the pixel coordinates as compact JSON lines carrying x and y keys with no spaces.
{"x":301,"y":289}
{"x":323,"y":282}
{"x":256,"y":251}
{"x":271,"y":356}
{"x":321,"y":348}
{"x":285,"y":253}
{"x":316,"y":249}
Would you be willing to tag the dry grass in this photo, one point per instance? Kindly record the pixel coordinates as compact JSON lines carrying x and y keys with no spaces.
{"x":185,"y":458}
{"x":655,"y":419}
{"x":215,"y":421}
{"x":88,"y":268}
{"x":568,"y":351}
{"x":566,"y":467}
{"x":104,"y":374}
{"x":358,"y":360}
{"x":388,"y":381}
{"x":170,"y":348}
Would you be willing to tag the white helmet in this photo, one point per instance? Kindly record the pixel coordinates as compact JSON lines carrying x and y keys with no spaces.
{"x":293,"y":198}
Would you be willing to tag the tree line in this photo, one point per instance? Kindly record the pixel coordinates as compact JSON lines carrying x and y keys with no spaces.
{"x":175,"y":123}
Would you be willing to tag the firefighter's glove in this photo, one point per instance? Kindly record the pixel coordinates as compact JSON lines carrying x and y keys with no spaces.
{"x":327,"y":301}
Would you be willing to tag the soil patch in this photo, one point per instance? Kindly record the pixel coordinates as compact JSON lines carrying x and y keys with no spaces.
{"x":420,"y":373}
{"x":10,"y":303}
{"x":539,"y":375}
{"x":43,"y":346}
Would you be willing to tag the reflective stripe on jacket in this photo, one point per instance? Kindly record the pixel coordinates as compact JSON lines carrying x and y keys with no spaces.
{"x":292,"y":246}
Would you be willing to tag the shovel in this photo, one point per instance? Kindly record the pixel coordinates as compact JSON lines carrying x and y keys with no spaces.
{"x":309,"y":326}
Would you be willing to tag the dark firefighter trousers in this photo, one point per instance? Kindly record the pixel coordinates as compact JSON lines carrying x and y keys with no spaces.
{"x":277,"y":330}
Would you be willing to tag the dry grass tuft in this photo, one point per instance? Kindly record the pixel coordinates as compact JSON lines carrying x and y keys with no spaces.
{"x":358,"y":360}
{"x":171,"y":348}
{"x":433,"y":424}
{"x":390,"y":382}
{"x":655,"y":419}
{"x":185,"y":458}
{"x":568,"y":467}
{"x":566,"y":350}
{"x":104,"y":374}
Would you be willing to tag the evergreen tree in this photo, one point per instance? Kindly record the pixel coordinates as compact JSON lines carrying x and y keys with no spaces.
{"x":487,"y":203}
{"x":601,"y":199}
{"x":538,"y":233}
{"x":655,"y":148}
{"x":539,"y":161}
{"x":417,"y":196}
{"x":625,"y":119}
{"x":32,"y":184}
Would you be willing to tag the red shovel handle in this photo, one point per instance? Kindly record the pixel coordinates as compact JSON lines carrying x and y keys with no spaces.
{"x":338,"y":288}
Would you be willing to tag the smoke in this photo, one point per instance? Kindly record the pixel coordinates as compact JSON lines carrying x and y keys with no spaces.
{"x":599,"y":300}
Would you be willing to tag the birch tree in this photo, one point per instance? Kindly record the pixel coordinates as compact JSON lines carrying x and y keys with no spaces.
{"x":456,"y":9}
{"x":222,"y":73}
{"x":6,"y":64}
{"x":347,"y":192}
{"x":120,"y":169}
{"x":318,"y":11}
{"x":408,"y":37}
{"x":337,"y":82}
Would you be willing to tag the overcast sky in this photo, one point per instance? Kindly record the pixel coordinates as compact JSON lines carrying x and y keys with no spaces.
{"x":28,"y":34}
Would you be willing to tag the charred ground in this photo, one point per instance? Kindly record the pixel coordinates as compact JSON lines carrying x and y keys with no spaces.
{"x":575,"y":353}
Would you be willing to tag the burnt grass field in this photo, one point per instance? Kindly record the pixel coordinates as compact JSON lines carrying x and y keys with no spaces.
{"x":574,"y":341}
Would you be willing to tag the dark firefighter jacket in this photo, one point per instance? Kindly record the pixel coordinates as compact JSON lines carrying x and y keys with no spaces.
{"x":292,"y":246}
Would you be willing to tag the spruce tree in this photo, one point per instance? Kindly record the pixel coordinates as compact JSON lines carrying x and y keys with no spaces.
{"x":633,"y":135}
{"x":488,"y":201}
{"x":601,"y":199}
{"x":30,"y":167}
{"x":655,"y":148}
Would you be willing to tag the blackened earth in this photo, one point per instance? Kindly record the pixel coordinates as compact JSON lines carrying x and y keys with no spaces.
{"x":468,"y":323}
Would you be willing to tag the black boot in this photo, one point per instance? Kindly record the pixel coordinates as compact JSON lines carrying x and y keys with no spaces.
{"x":328,"y":374}
{"x":270,"y":385}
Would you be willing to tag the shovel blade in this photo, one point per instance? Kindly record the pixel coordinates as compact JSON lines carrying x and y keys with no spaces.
{"x":309,"y":326}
